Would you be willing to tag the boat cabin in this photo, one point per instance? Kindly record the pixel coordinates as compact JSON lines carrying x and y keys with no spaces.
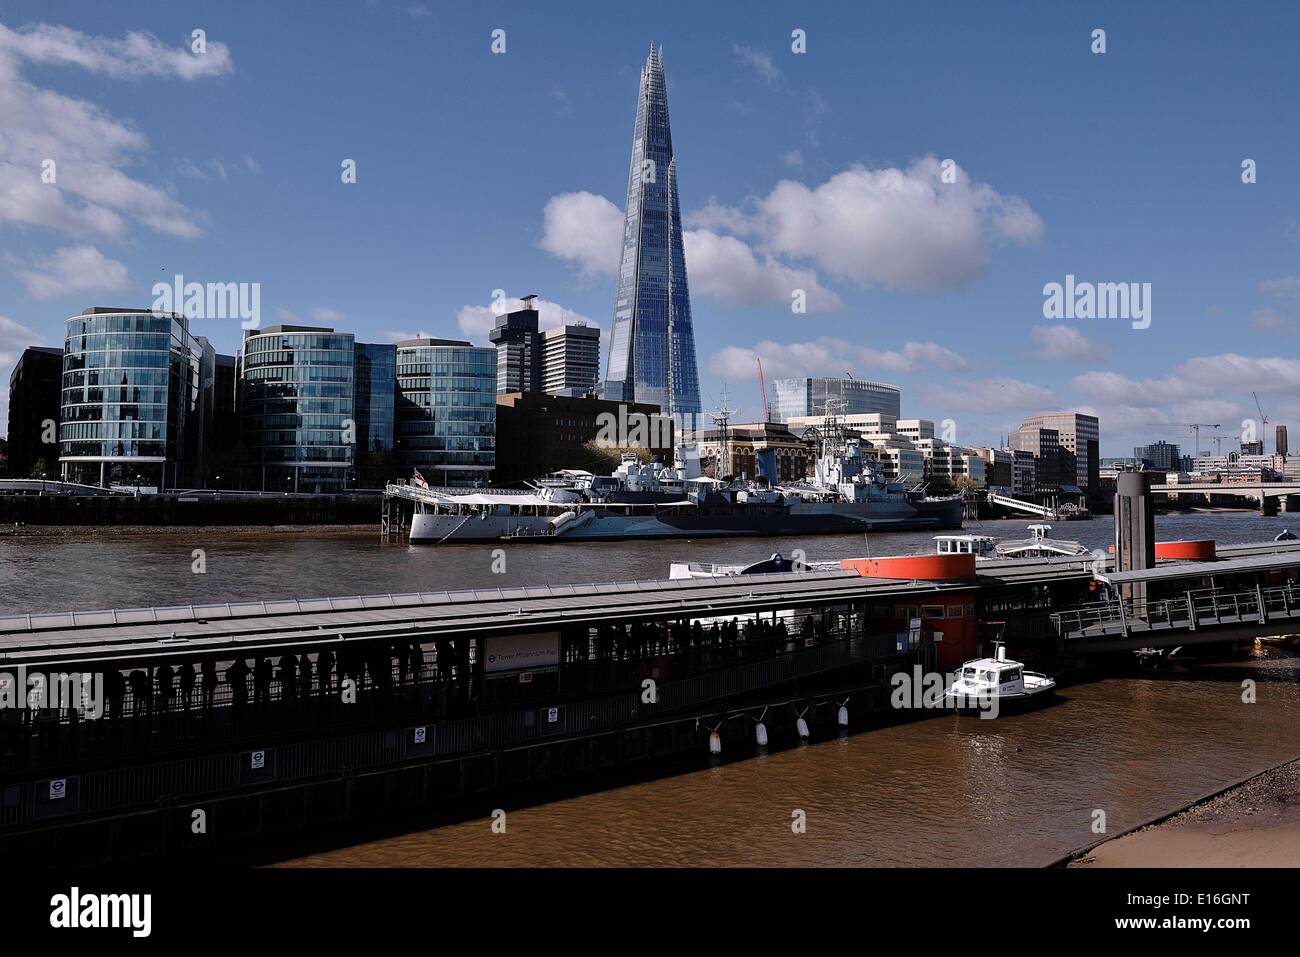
{"x":981,"y":546}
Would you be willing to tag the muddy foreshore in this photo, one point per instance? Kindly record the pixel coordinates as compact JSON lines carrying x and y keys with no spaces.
{"x":1253,"y":824}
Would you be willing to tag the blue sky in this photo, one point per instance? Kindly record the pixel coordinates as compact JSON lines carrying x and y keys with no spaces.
{"x":479,"y":171}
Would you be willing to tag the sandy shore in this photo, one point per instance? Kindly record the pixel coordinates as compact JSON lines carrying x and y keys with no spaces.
{"x":1255,"y":824}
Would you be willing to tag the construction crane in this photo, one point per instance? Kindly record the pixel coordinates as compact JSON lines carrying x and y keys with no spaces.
{"x":1263,"y":422}
{"x":1218,"y":438}
{"x":1194,"y":426}
{"x":762,"y":388}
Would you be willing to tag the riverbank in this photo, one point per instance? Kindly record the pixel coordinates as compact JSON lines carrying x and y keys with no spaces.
{"x":1254,"y":824}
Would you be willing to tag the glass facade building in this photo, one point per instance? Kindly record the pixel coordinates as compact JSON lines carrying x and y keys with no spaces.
{"x":131,"y":408}
{"x":375,"y":401}
{"x":298,"y":408}
{"x":446,"y":410}
{"x":652,"y":345}
{"x":807,"y":396}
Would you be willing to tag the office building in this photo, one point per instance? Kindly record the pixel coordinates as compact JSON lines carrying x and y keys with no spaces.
{"x":34,"y":396}
{"x":519,"y":349}
{"x":538,"y":434}
{"x":298,"y":413}
{"x":1079,"y":440}
{"x":446,"y":410}
{"x":1160,"y":456}
{"x":1045,"y":446}
{"x":797,"y":398}
{"x":132,"y":414}
{"x":374,"y":378}
{"x":570,"y":360}
{"x":1282,"y":447}
{"x":652,"y":344}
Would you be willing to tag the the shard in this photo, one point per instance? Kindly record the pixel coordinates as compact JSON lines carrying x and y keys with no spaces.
{"x":652,"y":348}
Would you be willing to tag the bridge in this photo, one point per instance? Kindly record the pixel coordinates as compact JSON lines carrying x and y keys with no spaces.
{"x":1006,"y":501}
{"x":1266,"y":493}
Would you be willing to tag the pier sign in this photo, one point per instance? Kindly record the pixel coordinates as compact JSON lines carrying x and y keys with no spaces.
{"x":522,"y":652}
{"x":58,"y":789}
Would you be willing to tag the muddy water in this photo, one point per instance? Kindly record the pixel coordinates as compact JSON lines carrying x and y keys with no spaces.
{"x":948,"y":790}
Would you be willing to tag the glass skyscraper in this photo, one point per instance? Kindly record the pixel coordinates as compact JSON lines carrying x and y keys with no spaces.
{"x":131,"y":411}
{"x":652,"y":348}
{"x":375,"y":395}
{"x":446,"y":410}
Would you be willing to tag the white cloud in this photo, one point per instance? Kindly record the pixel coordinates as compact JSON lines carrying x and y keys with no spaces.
{"x":585,"y":230}
{"x":134,"y":56}
{"x":1203,"y":377}
{"x":906,"y":229}
{"x":475,"y":322}
{"x":327,"y":315}
{"x":1066,"y":343}
{"x":829,"y":356}
{"x":759,"y":60}
{"x":997,"y":394}
{"x":91,"y":195}
{"x":724,"y":269}
{"x":793,"y":158}
{"x":72,"y":270}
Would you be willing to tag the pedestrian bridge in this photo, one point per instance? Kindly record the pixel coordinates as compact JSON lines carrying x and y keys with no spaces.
{"x":1199,"y":616}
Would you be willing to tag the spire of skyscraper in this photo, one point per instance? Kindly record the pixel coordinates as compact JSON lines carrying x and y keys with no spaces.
{"x":652,"y":347}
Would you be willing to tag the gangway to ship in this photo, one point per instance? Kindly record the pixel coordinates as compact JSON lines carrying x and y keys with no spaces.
{"x":1007,"y":501}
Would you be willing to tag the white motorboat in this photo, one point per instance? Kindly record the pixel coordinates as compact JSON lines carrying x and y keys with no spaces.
{"x":999,"y":679}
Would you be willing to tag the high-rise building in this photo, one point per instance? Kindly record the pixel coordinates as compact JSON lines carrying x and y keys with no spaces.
{"x":1282,"y":447}
{"x":808,"y":396}
{"x":1051,"y":469}
{"x":652,"y":346}
{"x":519,"y":349}
{"x":1161,"y":456}
{"x":570,"y":359}
{"x":34,"y":390}
{"x":297,"y":397}
{"x":1080,"y":440}
{"x":446,"y":410}
{"x":132,"y":411}
{"x":1253,"y":448}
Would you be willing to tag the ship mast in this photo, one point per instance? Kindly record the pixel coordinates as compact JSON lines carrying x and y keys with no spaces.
{"x":722,"y":418}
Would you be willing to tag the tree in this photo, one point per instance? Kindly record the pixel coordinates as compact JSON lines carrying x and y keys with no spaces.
{"x":604,"y":459}
{"x":965,"y":484}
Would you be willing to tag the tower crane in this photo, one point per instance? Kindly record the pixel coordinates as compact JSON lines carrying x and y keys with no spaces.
{"x":762,"y":388}
{"x":1263,"y":422}
{"x":1194,"y":426}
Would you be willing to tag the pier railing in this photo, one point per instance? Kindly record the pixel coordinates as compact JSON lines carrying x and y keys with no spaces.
{"x":1191,"y":611}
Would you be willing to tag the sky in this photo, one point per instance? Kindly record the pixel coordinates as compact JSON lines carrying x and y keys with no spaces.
{"x":922,"y":172}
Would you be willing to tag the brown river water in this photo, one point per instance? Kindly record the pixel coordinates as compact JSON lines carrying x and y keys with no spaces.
{"x":947,"y":790}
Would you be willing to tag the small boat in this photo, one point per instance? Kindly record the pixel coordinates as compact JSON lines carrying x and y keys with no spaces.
{"x":999,"y":679}
{"x":1286,"y":535}
{"x":981,"y":546}
{"x":1038,"y":545}
{"x":775,"y":565}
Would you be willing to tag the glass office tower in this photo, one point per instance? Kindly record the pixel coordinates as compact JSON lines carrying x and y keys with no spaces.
{"x":131,"y":414}
{"x":446,"y":410}
{"x":652,"y":346}
{"x":375,"y":399}
{"x":807,"y":396}
{"x":298,"y":410}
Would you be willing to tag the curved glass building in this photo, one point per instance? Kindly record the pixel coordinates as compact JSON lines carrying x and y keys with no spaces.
{"x":130,"y":409}
{"x":446,"y":410}
{"x":297,"y":400}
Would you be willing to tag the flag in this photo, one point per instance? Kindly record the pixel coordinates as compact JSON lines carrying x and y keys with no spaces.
{"x":418,"y":480}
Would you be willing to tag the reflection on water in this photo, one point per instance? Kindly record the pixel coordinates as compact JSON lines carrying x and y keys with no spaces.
{"x":947,"y":790}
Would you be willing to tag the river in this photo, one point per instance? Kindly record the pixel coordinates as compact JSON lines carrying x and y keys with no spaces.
{"x":943,"y":791}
